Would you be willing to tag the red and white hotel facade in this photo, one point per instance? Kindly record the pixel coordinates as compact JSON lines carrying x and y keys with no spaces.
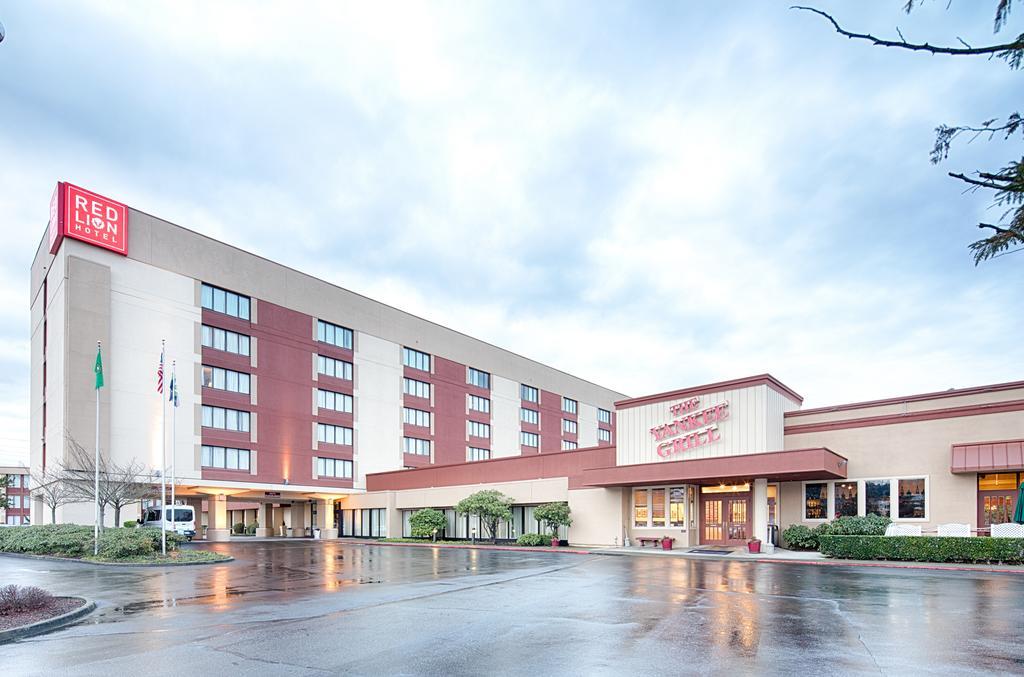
{"x":306,"y":406}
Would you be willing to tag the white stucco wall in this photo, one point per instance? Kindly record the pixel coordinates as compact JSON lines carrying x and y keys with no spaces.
{"x":378,"y":406}
{"x":587,"y":428}
{"x":504,"y":417}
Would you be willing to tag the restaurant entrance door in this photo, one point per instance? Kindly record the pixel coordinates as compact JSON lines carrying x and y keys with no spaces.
{"x":725,"y":518}
{"x":997,"y":498}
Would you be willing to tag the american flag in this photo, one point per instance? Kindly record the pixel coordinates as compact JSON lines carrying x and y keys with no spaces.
{"x":160,"y":373}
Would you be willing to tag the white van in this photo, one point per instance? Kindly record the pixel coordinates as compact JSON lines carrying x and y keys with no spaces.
{"x":183,"y":521}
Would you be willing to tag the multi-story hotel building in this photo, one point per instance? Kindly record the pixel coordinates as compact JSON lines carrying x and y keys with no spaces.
{"x":18,"y":489}
{"x":305,"y":407}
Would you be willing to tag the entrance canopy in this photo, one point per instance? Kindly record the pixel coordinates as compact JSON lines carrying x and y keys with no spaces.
{"x":799,"y":464}
{"x":971,"y":457}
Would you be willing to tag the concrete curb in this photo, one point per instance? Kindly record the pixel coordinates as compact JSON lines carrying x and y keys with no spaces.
{"x":50,"y":624}
{"x":76,"y":560}
{"x":507,"y":548}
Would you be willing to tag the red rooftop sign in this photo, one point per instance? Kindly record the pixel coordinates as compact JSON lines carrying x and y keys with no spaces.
{"x":83,"y":215}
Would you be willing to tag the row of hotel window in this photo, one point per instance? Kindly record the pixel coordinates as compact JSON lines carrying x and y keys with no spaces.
{"x":18,"y":481}
{"x":421,"y":447}
{"x":236,"y":305}
{"x":897,"y":498}
{"x":230,"y":458}
{"x":14,"y":502}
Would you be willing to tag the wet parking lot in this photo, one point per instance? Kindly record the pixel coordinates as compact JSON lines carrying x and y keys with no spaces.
{"x":311,"y":607}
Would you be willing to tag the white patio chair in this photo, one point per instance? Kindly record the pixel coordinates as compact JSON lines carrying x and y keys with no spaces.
{"x":1008,"y":530}
{"x":903,"y":530}
{"x":955,"y":529}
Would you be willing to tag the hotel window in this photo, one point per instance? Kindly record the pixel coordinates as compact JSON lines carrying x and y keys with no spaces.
{"x":225,"y":379}
{"x":480,"y":379}
{"x":15,"y":481}
{"x":477,"y":454}
{"x":529,"y":416}
{"x":332,"y":367}
{"x":333,"y":434}
{"x":227,"y":458}
{"x":481,"y":404}
{"x":225,"y":419}
{"x":677,"y":506}
{"x":529,"y":439}
{"x":411,"y":386}
{"x":846,"y":499}
{"x":911,"y":498}
{"x":413,"y":445}
{"x":415,"y":359}
{"x":568,"y":445}
{"x":333,"y":467}
{"x":569,"y":406}
{"x":641,"y":510}
{"x":658,"y":507}
{"x":416,"y":417}
{"x":604,"y":435}
{"x":328,"y":399}
{"x":333,"y":334}
{"x":25,"y":482}
{"x":529,"y":393}
{"x":14,"y":502}
{"x":223,"y":301}
{"x":228,"y":341}
{"x":604,"y":416}
{"x":477,"y":429}
{"x":816,"y":501}
{"x":569,"y":426}
{"x":877,"y":498}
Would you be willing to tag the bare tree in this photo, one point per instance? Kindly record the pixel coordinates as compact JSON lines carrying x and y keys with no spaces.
{"x":119,"y":486}
{"x":53,"y":489}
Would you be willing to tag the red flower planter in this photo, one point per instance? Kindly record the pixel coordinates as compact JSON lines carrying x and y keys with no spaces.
{"x":754,"y":546}
{"x":554,"y":543}
{"x":666,"y":543}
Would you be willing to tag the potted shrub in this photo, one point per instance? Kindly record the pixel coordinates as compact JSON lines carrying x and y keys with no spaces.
{"x":754,"y":545}
{"x":554,"y":515}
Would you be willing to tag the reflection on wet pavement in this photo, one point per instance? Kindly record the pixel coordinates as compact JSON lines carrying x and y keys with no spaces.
{"x":309,"y":607}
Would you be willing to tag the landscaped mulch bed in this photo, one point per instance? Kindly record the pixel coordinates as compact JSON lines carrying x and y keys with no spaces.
{"x":56,"y":607}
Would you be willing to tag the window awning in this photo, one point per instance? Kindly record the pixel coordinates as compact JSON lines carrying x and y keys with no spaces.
{"x":798,"y":464}
{"x":970,"y":457}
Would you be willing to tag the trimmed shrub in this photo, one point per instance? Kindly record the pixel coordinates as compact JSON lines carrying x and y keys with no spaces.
{"x":74,"y":540}
{"x":27,"y":598}
{"x":237,"y":528}
{"x":130,"y":524}
{"x":534,"y":539}
{"x":799,"y":537}
{"x":426,"y":523}
{"x":973,"y":549}
{"x":869,"y":525}
{"x":251,"y":528}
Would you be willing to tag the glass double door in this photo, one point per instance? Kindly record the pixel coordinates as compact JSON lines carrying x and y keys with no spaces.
{"x":997,"y":498}
{"x":725,"y":519}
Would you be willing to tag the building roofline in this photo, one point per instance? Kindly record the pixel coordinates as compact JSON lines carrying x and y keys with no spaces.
{"x":922,"y":397}
{"x":746,"y":382}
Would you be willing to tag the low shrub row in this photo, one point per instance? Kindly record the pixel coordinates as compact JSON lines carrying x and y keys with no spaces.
{"x":15,"y":599}
{"x":75,"y":540}
{"x":534,"y":539}
{"x":924,"y":548}
{"x":800,"y":537}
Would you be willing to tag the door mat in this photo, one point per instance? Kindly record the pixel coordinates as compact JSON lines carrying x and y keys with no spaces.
{"x":712,"y":551}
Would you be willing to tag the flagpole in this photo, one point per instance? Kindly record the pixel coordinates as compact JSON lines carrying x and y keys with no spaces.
{"x":96,"y":479}
{"x":174,"y":426}
{"x":163,"y":459}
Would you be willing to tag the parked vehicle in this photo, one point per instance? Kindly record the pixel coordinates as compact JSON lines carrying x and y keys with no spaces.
{"x":183,"y":521}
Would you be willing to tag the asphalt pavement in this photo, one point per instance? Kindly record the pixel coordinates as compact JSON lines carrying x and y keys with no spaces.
{"x":316,"y":607}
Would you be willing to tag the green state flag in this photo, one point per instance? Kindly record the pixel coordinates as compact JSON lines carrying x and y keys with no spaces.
{"x":99,"y":369}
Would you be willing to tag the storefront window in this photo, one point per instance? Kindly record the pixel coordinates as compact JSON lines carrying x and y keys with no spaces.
{"x":846,"y":499}
{"x":816,"y":501}
{"x":911,"y":499}
{"x":876,"y":497}
{"x":677,"y":506}
{"x":640,"y":511}
{"x":1005,"y":481}
{"x":658,"y":507}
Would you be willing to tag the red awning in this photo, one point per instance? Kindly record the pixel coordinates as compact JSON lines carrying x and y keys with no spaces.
{"x":987,"y":456}
{"x":798,"y":464}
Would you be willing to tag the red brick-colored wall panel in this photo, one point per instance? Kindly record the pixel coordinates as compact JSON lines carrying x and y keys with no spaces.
{"x":550,"y":422}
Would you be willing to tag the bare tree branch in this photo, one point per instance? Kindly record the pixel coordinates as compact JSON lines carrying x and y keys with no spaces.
{"x":1002,"y":50}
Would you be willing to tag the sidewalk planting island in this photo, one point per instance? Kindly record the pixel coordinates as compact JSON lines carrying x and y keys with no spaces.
{"x":117,"y":545}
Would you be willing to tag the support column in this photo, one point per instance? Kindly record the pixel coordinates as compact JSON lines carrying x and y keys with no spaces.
{"x":298,"y":521}
{"x":760,"y":508}
{"x":325,"y":516}
{"x":219,"y":530}
{"x":264,"y":515}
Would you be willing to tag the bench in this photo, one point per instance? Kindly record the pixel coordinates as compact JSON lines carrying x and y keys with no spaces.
{"x":655,"y":541}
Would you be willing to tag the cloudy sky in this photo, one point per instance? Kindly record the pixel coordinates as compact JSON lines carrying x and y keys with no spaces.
{"x":646,"y":195}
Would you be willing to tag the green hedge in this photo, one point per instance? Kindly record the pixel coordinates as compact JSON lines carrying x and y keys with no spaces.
{"x":924,"y":548}
{"x":74,"y":540}
{"x":534,"y":539}
{"x":800,"y":537}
